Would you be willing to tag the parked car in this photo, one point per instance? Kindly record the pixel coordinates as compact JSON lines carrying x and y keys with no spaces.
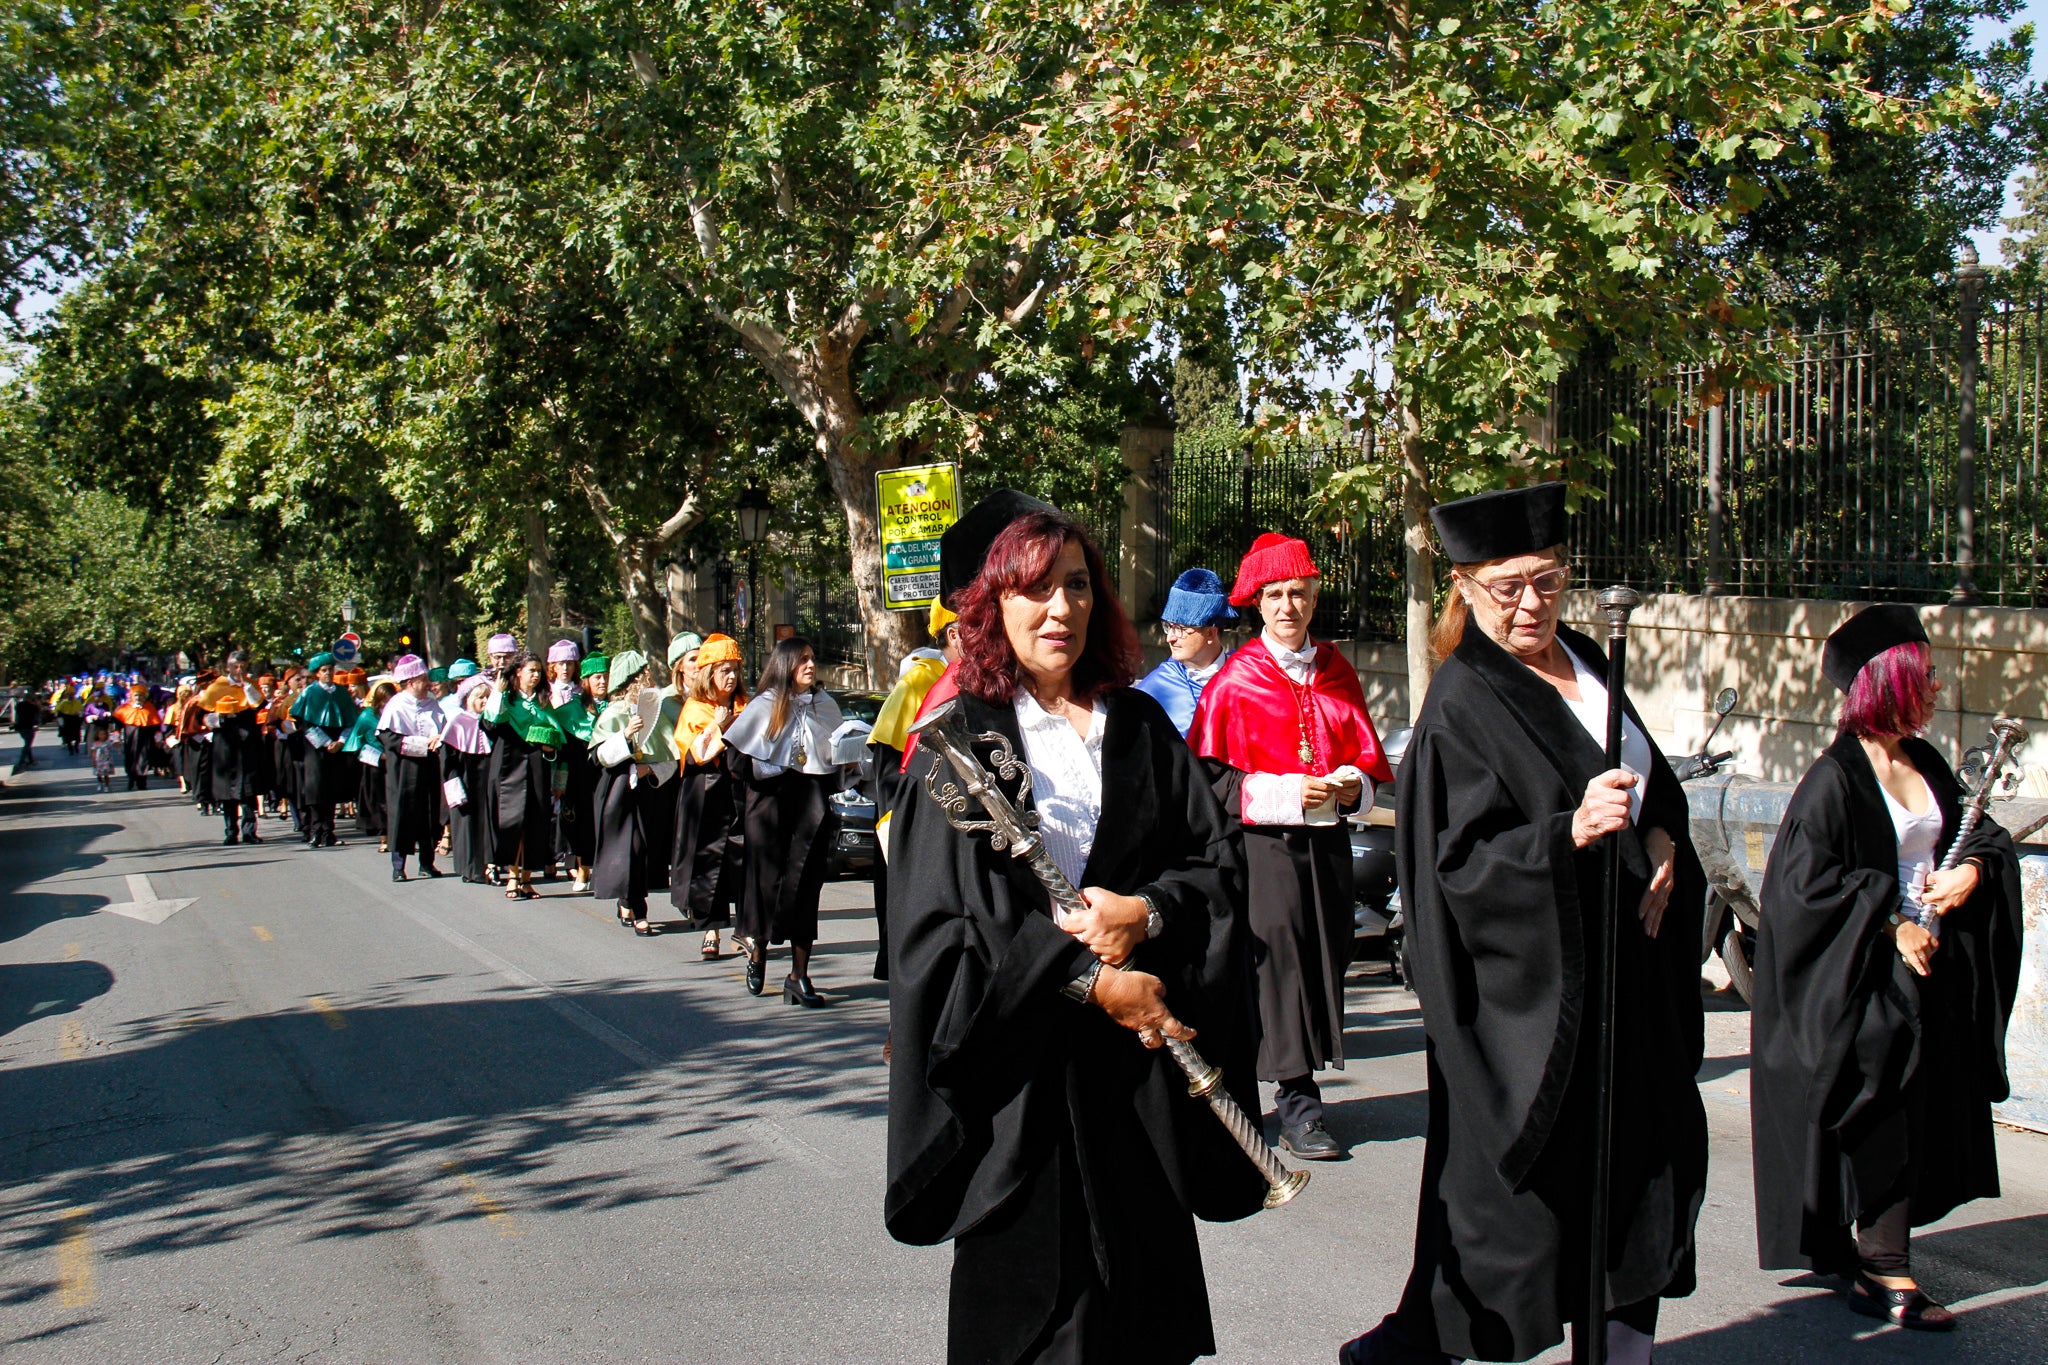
{"x":855,"y":849}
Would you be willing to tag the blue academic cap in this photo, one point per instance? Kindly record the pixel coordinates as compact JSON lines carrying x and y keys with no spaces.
{"x":1198,"y":598}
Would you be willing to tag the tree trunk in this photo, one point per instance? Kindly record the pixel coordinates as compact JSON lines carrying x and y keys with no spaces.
{"x":439,"y":630}
{"x":1418,"y":560}
{"x":646,"y":594}
{"x":540,"y":581}
{"x":890,"y":635}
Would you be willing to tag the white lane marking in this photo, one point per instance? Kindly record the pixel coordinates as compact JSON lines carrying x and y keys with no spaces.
{"x":142,"y":902}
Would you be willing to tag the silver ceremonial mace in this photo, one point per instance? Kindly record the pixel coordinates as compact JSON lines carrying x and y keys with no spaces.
{"x":1616,"y":604}
{"x":1017,"y":832}
{"x":2006,"y":736}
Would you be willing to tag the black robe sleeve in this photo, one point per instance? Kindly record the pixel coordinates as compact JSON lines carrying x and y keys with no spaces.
{"x":1841,"y":1029}
{"x":987,"y":1050}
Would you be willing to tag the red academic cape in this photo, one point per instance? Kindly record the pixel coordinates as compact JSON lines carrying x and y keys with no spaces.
{"x":1251,"y":717}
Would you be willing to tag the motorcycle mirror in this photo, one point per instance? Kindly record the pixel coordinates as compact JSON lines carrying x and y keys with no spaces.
{"x":1724,"y":702}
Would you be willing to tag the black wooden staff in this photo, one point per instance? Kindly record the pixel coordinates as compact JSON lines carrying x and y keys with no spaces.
{"x":1616,"y":604}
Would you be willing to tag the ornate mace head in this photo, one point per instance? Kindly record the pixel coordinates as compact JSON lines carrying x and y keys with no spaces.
{"x":943,"y":730}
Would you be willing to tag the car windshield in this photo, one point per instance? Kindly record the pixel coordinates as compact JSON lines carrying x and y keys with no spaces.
{"x":861,"y":706}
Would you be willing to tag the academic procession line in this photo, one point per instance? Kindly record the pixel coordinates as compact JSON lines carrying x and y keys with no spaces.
{"x":1035,"y":1121}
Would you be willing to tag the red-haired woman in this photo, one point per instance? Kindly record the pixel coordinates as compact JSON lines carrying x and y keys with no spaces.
{"x":1878,"y":1046}
{"x":1031,"y":1120}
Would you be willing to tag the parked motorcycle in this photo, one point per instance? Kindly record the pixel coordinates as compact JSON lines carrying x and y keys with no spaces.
{"x":1729,"y":927}
{"x":1375,"y":897}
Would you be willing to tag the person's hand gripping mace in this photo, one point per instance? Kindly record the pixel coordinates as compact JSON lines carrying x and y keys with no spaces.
{"x":1616,"y":604}
{"x":1016,"y":832}
{"x":2006,"y":736}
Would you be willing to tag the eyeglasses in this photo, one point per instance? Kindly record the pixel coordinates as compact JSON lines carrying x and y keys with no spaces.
{"x":1508,"y":591}
{"x":1175,"y":632}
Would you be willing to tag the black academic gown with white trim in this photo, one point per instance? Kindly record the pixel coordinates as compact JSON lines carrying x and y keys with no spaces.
{"x":1500,"y":909}
{"x":1065,"y":1161}
{"x":1870,"y":1083}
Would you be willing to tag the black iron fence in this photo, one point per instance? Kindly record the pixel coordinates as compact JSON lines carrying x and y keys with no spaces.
{"x":1890,"y":462}
{"x":1864,"y":473}
{"x":1218,"y":497}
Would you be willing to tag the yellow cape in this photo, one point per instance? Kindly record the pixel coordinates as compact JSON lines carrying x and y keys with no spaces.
{"x":892,"y":725}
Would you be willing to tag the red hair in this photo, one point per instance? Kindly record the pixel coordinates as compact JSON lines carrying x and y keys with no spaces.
{"x":1893,"y":695}
{"x":1018,"y":560}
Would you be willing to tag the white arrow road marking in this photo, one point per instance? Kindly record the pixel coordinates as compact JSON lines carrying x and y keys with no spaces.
{"x":142,"y":903}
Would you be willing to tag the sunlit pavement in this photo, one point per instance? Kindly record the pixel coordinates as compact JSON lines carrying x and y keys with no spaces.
{"x":314,"y":1115}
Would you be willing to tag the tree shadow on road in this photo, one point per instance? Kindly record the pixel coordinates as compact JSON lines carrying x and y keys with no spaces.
{"x":366,"y":1114}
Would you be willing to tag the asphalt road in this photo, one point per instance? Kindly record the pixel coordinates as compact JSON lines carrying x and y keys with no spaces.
{"x":318,"y":1116}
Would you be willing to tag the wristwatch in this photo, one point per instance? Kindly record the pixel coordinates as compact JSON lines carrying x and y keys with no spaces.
{"x":1082,"y":987}
{"x":1155,"y":923}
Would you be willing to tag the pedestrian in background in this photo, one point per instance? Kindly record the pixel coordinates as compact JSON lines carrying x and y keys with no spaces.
{"x":466,"y":780}
{"x":367,"y":751}
{"x":780,"y":748}
{"x":1285,"y":734}
{"x":1878,"y":1045}
{"x":325,"y":715}
{"x":524,"y":743}
{"x":235,"y":770}
{"x":632,"y":849}
{"x":1197,"y":608}
{"x":708,"y":871}
{"x":409,"y":731}
{"x":576,"y":776}
{"x":919,"y":672}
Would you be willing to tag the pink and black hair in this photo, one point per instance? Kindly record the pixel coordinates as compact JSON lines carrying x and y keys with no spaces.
{"x":1893,"y":694}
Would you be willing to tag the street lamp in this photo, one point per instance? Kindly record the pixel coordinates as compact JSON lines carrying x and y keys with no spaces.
{"x":348,"y":611}
{"x":1969,"y":279}
{"x":752,"y":510}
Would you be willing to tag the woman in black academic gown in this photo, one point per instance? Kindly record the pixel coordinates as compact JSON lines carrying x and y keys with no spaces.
{"x":1878,"y":1046}
{"x":632,"y":848}
{"x":707,"y":873}
{"x":466,"y":758}
{"x":409,"y":729}
{"x":780,"y":748}
{"x":1060,"y":1154}
{"x":325,"y":714}
{"x":524,"y":744}
{"x":1504,"y":805}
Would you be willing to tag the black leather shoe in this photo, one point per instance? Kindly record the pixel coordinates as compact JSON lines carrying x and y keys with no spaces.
{"x":1311,"y":1142}
{"x":1909,"y":1308}
{"x":429,"y":870}
{"x":230,"y":841}
{"x":251,"y":839}
{"x":1384,"y":1345}
{"x":757,"y":974}
{"x":796,"y":990}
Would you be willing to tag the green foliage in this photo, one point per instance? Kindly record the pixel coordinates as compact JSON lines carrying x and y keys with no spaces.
{"x":1477,"y":193}
{"x":1874,"y":227}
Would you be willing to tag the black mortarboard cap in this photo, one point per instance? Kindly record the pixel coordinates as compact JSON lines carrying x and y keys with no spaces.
{"x":964,"y":546}
{"x":1501,"y":524}
{"x":1866,"y":635}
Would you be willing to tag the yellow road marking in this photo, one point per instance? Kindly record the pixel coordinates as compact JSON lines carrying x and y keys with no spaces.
{"x":71,"y":951}
{"x":329,"y":1015}
{"x":261,"y":932}
{"x":71,"y":1039}
{"x":74,"y":1259}
{"x":493,"y":1212}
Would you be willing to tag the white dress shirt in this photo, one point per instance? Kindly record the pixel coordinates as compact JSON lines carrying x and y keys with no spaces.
{"x":1066,"y":781}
